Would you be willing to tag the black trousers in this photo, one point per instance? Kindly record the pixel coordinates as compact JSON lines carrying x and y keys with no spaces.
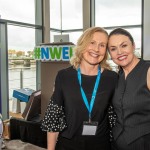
{"x":83,"y":143}
{"x":142,"y":143}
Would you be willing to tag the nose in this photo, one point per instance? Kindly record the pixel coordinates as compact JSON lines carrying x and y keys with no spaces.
{"x":119,"y":50}
{"x":96,"y":48}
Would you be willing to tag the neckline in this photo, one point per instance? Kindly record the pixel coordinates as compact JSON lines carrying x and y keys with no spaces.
{"x":84,"y":75}
{"x":133,"y":70}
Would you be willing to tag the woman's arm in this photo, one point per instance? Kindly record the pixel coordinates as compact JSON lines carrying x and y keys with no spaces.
{"x":51,"y":140}
{"x":148,"y":79}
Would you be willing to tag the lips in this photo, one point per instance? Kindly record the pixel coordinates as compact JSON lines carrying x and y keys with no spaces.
{"x":94,"y":54}
{"x":122,"y":57}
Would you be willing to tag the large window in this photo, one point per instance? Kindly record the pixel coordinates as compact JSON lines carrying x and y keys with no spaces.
{"x":55,"y":14}
{"x":72,"y":14}
{"x":18,"y":10}
{"x":22,"y":33}
{"x":118,"y":13}
{"x":66,"y":18}
{"x":21,"y":38}
{"x":22,"y":72}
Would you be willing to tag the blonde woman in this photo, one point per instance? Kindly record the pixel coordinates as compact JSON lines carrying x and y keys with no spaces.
{"x":76,"y":117}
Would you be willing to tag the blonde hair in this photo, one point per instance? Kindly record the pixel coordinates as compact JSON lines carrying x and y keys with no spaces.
{"x":82,"y":43}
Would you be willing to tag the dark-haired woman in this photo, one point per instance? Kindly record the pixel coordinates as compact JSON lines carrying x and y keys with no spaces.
{"x":132,"y":95}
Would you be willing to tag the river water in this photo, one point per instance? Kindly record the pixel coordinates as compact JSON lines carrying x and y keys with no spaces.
{"x":21,"y":77}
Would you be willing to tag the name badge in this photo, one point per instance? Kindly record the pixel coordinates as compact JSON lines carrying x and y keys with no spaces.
{"x":89,"y":128}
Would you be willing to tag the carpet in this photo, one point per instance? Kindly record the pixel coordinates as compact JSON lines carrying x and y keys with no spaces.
{"x":19,"y":145}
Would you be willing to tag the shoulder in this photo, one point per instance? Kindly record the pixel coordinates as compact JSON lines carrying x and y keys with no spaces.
{"x":146,"y":67}
{"x":148,"y":78}
{"x":111,"y":76}
{"x":147,"y":70}
{"x":67,"y":72}
{"x":145,"y":63}
{"x":111,"y":73}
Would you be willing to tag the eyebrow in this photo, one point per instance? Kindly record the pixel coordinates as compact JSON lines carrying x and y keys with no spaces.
{"x":100,"y":42}
{"x":103,"y":43}
{"x":120,"y":44}
{"x":123,"y":42}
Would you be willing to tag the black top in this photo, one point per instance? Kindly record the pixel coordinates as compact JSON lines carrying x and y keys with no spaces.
{"x":132,"y":103}
{"x":67,"y":111}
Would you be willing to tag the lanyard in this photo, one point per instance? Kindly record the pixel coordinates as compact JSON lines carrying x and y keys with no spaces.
{"x":89,"y":106}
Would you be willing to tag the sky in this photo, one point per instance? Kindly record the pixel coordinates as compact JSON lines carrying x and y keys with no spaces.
{"x":108,"y":13}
